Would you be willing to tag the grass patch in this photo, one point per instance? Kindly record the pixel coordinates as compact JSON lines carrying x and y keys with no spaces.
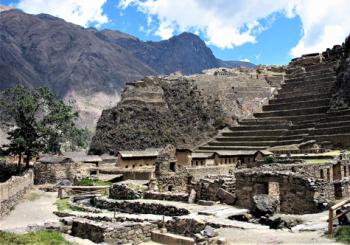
{"x":342,"y":234}
{"x":93,"y":182}
{"x":62,"y":204}
{"x":33,"y":238}
{"x":317,"y":161}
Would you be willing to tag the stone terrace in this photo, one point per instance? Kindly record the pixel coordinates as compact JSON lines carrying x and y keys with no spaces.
{"x":299,"y":112}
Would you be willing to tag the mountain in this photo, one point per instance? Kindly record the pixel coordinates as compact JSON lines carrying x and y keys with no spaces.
{"x":186,"y":53}
{"x":87,"y":67}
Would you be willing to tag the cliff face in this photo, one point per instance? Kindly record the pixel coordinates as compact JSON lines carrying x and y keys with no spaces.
{"x":180,"y":110}
{"x":154,"y":112}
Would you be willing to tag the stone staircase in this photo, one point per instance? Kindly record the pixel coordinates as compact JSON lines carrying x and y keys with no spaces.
{"x":299,"y":112}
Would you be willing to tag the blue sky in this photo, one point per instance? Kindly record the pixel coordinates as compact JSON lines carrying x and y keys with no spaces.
{"x":262,"y":32}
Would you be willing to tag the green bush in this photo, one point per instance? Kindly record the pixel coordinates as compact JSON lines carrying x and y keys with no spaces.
{"x":342,"y":234}
{"x":269,"y":159}
{"x":33,"y":238}
{"x":93,"y":182}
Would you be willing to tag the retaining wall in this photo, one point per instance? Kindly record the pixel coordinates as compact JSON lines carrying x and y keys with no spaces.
{"x":13,"y":190}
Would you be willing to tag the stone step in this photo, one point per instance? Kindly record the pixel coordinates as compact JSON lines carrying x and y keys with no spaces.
{"x":274,"y":132}
{"x":307,"y":89}
{"x":259,"y":127}
{"x":311,"y":74}
{"x":310,"y":79}
{"x":305,"y":86}
{"x":313,"y":68}
{"x":299,"y":99}
{"x":231,"y":148}
{"x":332,"y":130}
{"x":321,"y":66}
{"x":317,"y":91}
{"x":294,"y":112}
{"x":260,"y":138}
{"x":296,"y":105}
{"x":340,"y":140}
{"x":255,"y":121}
{"x":255,"y":143}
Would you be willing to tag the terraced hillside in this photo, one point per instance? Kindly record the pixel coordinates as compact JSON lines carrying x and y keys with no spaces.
{"x":300,"y":111}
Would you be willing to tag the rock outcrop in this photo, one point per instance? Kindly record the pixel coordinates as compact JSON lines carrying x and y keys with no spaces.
{"x":155,"y":112}
{"x":179,"y":110}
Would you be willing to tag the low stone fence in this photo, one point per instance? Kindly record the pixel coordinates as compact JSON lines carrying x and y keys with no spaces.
{"x":13,"y":190}
{"x":138,"y":207}
{"x":123,"y":192}
{"x":202,"y":172}
{"x":113,"y":233}
{"x":169,"y":196}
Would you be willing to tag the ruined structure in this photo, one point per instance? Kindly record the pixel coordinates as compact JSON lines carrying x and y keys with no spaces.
{"x":300,"y":111}
{"x":181,"y":110}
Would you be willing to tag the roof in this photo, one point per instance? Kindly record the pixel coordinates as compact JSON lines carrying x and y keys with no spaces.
{"x":54,"y":159}
{"x":235,"y":153}
{"x":201,"y":155}
{"x":108,"y":157}
{"x":265,"y":152}
{"x":82,"y":157}
{"x":228,"y":153}
{"x":140,"y":153}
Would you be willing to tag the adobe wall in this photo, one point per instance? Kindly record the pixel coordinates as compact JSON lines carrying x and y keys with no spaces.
{"x":13,"y":190}
{"x":135,"y":162}
{"x":297,"y":194}
{"x":54,"y":172}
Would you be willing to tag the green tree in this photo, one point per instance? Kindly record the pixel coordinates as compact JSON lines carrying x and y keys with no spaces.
{"x":37,"y":121}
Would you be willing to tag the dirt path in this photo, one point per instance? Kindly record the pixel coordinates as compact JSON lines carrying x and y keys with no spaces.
{"x":35,"y":209}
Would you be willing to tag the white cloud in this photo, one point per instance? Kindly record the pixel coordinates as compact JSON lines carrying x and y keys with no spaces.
{"x":224,"y":23}
{"x":227,"y":23}
{"x":325,"y":23}
{"x":81,"y":12}
{"x":245,"y":60}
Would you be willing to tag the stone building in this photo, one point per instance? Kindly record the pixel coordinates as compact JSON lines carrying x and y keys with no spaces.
{"x":51,"y":169}
{"x":296,"y":194}
{"x":169,"y":175}
{"x":137,"y":159}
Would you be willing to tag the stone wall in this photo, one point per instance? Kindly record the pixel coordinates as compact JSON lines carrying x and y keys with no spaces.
{"x":124,"y":192}
{"x":297,"y":194}
{"x":202,"y":172}
{"x":139,"y":207}
{"x":13,"y":190}
{"x":169,"y":196}
{"x":54,"y":172}
{"x":208,"y":188}
{"x":113,"y":233}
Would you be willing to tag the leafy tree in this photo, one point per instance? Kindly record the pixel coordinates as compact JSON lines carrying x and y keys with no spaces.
{"x":37,"y":121}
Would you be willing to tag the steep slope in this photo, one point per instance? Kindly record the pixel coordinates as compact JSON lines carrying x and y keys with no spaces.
{"x":154,"y":112}
{"x":41,"y":50}
{"x":87,"y":67}
{"x":186,"y":53}
{"x":181,"y":110}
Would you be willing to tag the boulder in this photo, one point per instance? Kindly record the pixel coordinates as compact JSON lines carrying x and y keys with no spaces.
{"x":226,"y":197}
{"x":264,"y":204}
{"x":209,"y":231}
